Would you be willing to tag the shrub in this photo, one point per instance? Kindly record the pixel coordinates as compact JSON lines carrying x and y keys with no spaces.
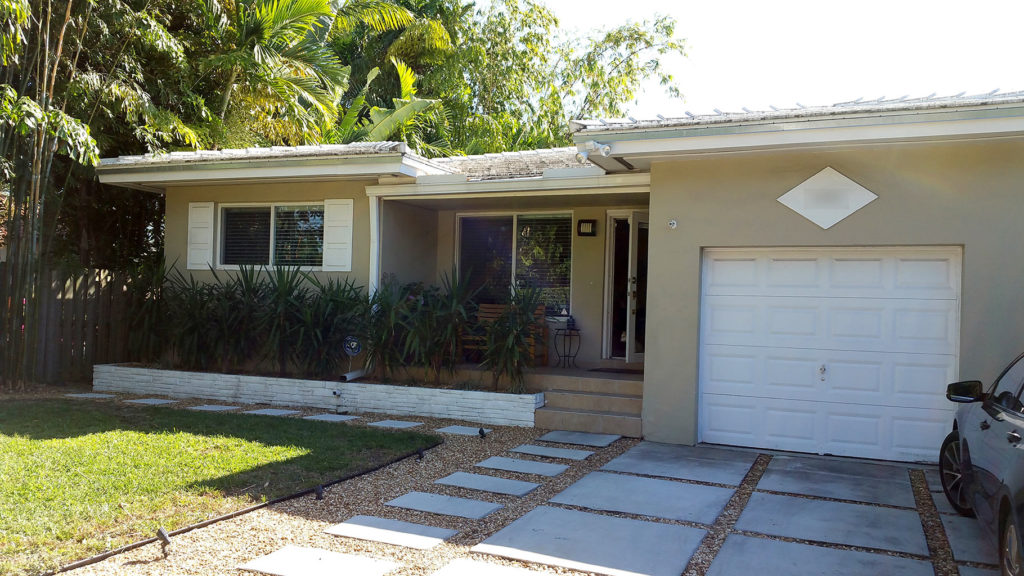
{"x":509,"y":339}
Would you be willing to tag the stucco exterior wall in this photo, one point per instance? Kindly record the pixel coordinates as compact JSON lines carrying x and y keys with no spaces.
{"x":408,"y":243}
{"x":951,"y":194}
{"x":178,"y":198}
{"x":588,"y":272}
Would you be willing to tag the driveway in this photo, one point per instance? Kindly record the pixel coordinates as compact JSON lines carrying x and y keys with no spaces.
{"x":667,"y":510}
{"x":724,"y":512}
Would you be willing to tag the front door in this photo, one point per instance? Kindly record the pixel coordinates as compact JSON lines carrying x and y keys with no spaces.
{"x":627,"y":285}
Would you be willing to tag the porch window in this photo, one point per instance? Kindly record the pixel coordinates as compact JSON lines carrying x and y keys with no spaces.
{"x":287,"y":235}
{"x":530,"y":250}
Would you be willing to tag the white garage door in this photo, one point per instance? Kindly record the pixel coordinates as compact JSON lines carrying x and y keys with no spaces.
{"x":831,"y":351}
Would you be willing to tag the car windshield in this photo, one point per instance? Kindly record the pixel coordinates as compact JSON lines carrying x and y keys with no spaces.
{"x":1006,"y":392}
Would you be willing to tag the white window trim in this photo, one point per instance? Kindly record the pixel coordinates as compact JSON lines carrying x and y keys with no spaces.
{"x":515,"y":214}
{"x":219,"y":230}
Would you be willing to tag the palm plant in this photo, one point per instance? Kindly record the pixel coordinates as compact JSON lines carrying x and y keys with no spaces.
{"x":385,"y":332}
{"x":282,"y":313}
{"x":276,"y":51}
{"x":189,"y":303}
{"x":435,"y":322}
{"x":335,"y":310}
{"x":509,"y":339}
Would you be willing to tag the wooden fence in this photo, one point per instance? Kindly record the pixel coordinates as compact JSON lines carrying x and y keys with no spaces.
{"x":82,"y":320}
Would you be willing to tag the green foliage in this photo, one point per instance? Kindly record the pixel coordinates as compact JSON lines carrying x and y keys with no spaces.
{"x":509,"y":339}
{"x":281,"y":313}
{"x":79,"y":482}
{"x":385,"y":331}
{"x":336,"y":310}
{"x":434,"y":323}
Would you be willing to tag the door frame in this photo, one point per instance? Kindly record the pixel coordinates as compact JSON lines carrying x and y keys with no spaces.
{"x":609,"y":271}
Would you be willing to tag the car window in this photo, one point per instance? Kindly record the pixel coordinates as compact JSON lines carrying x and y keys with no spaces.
{"x":1007,"y":390}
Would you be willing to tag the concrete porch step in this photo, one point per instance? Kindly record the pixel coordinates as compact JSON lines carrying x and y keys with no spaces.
{"x":624,"y":384}
{"x":622,"y":423}
{"x":594,"y":401}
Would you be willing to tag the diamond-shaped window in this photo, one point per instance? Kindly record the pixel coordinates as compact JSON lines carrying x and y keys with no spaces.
{"x":827,"y":197}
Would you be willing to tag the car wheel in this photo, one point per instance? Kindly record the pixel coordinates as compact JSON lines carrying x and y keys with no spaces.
{"x":952,"y":475}
{"x":1010,"y":557}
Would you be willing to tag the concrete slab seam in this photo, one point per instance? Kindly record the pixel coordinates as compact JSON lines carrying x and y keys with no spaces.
{"x":705,"y":554}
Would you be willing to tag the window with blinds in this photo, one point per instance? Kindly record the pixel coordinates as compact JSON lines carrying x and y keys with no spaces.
{"x":544,"y":258}
{"x":531,"y":250}
{"x":279,"y":235}
{"x":245,"y":236}
{"x":299,"y":235}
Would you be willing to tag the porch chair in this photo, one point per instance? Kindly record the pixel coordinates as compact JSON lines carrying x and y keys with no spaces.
{"x":476,"y":343}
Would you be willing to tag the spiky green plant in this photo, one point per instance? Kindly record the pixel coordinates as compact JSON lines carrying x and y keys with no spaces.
{"x":286,"y":295}
{"x":385,"y":332}
{"x":335,"y":309}
{"x":509,"y":339}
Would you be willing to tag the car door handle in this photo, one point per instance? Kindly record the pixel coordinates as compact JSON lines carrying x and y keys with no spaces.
{"x":1013,"y":437}
{"x":985,"y":425}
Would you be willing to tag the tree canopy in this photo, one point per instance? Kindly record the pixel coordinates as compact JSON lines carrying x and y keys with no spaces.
{"x":81,"y":79}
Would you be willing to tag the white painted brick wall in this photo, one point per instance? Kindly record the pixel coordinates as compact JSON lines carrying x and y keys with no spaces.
{"x":473,"y":406}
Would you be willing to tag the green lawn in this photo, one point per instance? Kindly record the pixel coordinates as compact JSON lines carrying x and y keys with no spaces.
{"x":78,"y":478}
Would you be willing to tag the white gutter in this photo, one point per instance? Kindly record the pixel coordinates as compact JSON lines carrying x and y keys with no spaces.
{"x":157,"y":176}
{"x":522,"y":187}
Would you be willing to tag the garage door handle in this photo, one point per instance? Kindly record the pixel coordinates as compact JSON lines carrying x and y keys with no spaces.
{"x":985,"y":425}
{"x":1013,"y":437}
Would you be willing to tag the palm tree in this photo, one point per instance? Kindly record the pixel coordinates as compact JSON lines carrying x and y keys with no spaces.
{"x":277,"y":51}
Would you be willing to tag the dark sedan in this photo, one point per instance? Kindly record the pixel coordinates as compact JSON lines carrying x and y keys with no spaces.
{"x":981,"y":462}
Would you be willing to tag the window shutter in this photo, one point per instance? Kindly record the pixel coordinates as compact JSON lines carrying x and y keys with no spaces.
{"x":200,"y":235}
{"x":338,"y":235}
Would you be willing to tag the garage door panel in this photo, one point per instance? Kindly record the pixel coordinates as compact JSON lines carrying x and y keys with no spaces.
{"x":883,"y":325}
{"x":830,"y":350}
{"x":909,"y":273}
{"x":822,"y":428}
{"x":882,"y":379}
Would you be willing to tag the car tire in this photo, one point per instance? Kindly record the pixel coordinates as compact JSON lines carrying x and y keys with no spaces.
{"x":952,"y":476}
{"x":1011,"y":558}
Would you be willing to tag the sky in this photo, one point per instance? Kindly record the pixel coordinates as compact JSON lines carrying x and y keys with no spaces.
{"x":742,"y":53}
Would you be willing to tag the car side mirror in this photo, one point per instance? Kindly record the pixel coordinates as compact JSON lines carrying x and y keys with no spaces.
{"x":965,"y":392}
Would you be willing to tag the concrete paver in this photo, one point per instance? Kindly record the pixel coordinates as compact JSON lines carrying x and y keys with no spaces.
{"x":581,"y":438}
{"x":699,"y":463}
{"x":488,"y":483}
{"x":272,"y":412}
{"x":835,"y":522}
{"x":968,"y":541}
{"x":552,"y":452}
{"x":972,"y":571}
{"x":331,"y":417}
{"x":90,"y":395}
{"x":296,"y":561}
{"x":463,"y":430}
{"x":595,"y":543}
{"x":446,"y":505}
{"x":467,"y":567}
{"x":646,"y":497}
{"x":400,"y":424}
{"x":842,"y":480}
{"x":741,"y":555}
{"x":214,"y":408}
{"x":151,"y":401}
{"x":396,"y":532}
{"x":523,"y":466}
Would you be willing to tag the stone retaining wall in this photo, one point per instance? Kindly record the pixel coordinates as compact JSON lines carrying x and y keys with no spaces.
{"x":473,"y":406}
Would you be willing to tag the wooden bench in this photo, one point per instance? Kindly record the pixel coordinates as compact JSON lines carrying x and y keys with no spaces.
{"x":489,"y":313}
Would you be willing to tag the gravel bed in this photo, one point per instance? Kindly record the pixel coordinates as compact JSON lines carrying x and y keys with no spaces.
{"x":712,"y":543}
{"x":931,"y":522}
{"x":219,"y":548}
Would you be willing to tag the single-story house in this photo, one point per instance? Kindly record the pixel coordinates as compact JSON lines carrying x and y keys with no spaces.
{"x":804,"y":279}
